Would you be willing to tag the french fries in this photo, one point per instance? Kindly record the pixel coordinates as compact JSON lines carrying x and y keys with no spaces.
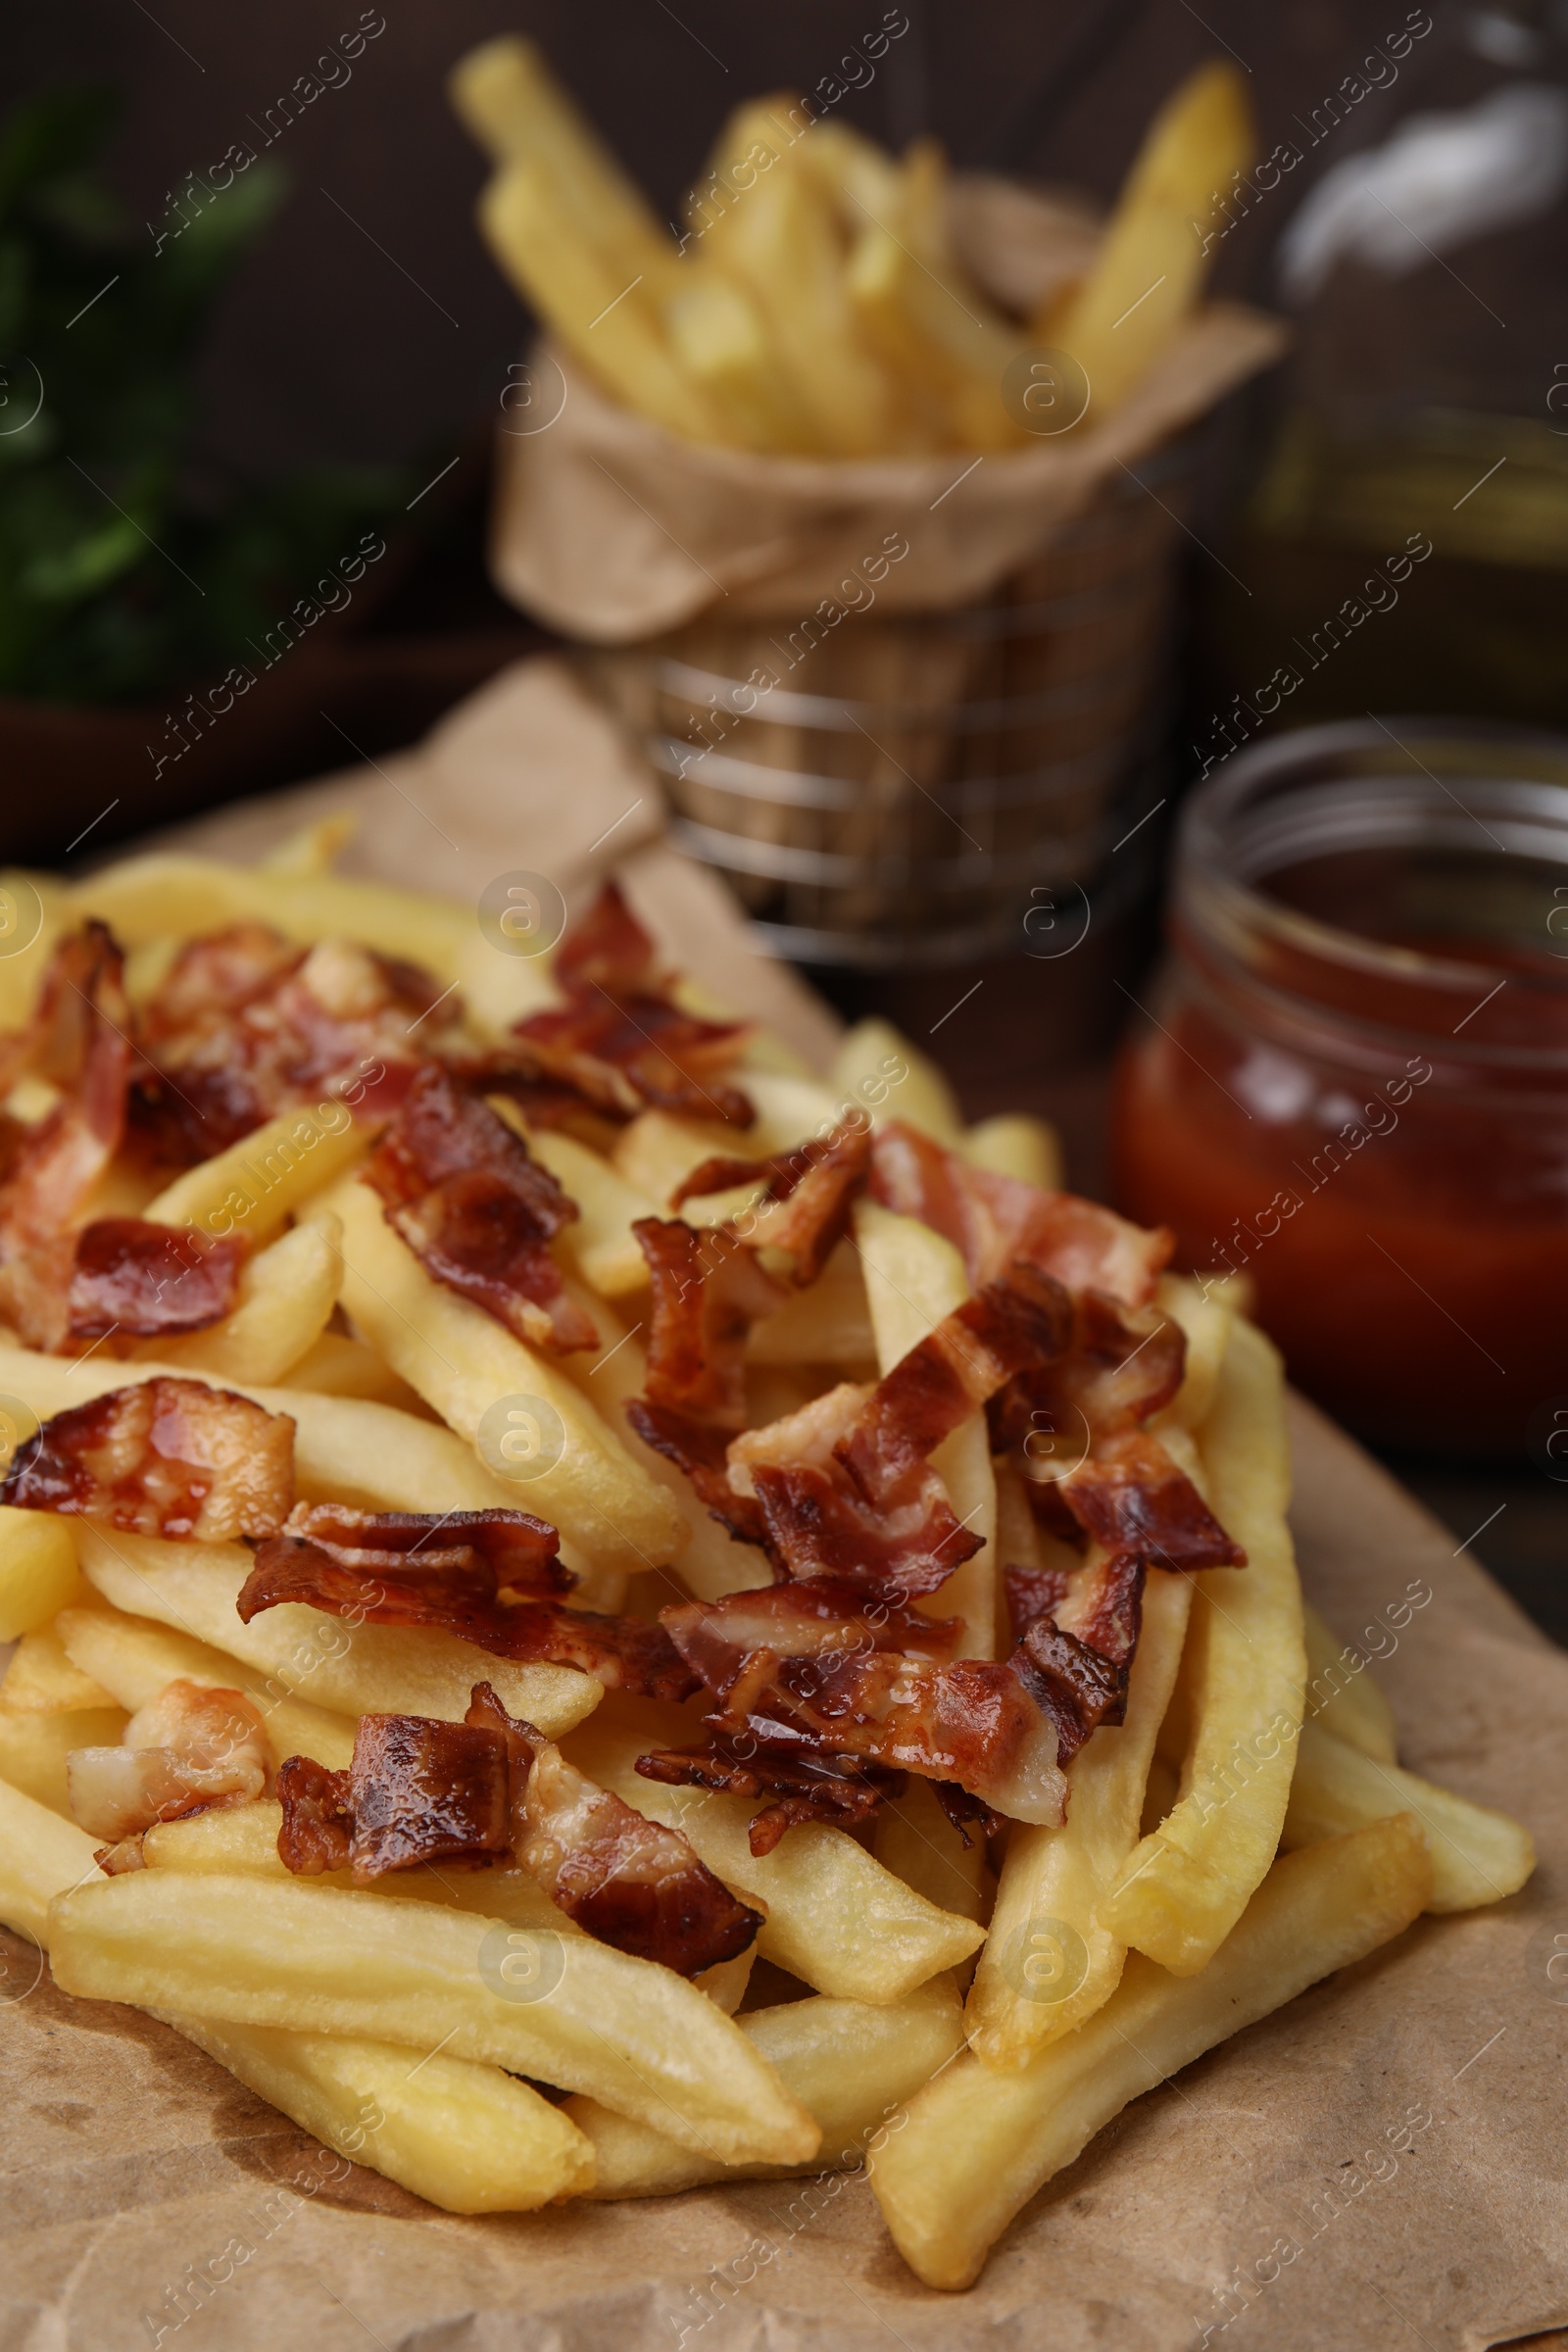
{"x":33,"y":1748}
{"x":852,"y":2065}
{"x":37,"y":1567}
{"x":978,"y":2144}
{"x":346,"y":1668}
{"x":131,"y":1659}
{"x":1345,"y":1701}
{"x":1184,"y":1887}
{"x":288,"y":1294}
{"x":260,"y":1181}
{"x":43,"y":1680}
{"x":1049,"y":1961}
{"x":1478,"y":1856}
{"x":41,"y":1856}
{"x":254,"y":1952}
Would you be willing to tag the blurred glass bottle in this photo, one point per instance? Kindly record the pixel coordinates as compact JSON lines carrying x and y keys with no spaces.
{"x":1424,"y":407}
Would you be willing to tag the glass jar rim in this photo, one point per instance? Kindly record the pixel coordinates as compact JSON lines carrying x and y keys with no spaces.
{"x":1371,"y":783}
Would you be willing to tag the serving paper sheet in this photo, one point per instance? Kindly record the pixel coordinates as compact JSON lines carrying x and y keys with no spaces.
{"x":1378,"y":2166}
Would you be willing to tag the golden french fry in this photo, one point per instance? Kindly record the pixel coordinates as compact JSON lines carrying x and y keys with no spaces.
{"x":852,"y":2065}
{"x":1342,"y":1696}
{"x":467,"y":2137}
{"x":914,"y":1278}
{"x":133,"y":1658}
{"x":37,"y":1557}
{"x":511,"y":105}
{"x":977,"y":2144}
{"x":256,"y":1183}
{"x":1185,"y":1888}
{"x":1015,"y":1143}
{"x":1049,"y":1963}
{"x":489,"y":1387}
{"x":161,"y":893}
{"x":835,"y":1918}
{"x":1149,"y":269}
{"x":918,"y":1844}
{"x":828,"y":1323}
{"x":338,"y":1366}
{"x":723,"y":343}
{"x":33,"y":1750}
{"x":1478,"y":1856}
{"x":593,"y":300}
{"x":43,"y":1680}
{"x":655,"y":1151}
{"x":1206,"y":1319}
{"x":347,"y":1669}
{"x":858,"y":177}
{"x":601,"y":1244}
{"x":878,"y":1066}
{"x":565,"y":2009}
{"x":286,"y":1296}
{"x":42,"y":1854}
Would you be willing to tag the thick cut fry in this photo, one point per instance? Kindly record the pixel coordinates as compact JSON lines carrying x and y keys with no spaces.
{"x":286,"y":1296}
{"x":931,"y":332}
{"x":601,"y":1245}
{"x":835,"y":1917}
{"x":160,"y":893}
{"x":37,"y":1560}
{"x":914,"y":1278}
{"x":593,"y":301}
{"x":918,"y":1844}
{"x":1152,"y":264}
{"x":850,"y":2063}
{"x":978,"y":2145}
{"x":43,"y":1680}
{"x":348,"y":1669}
{"x":511,"y":105}
{"x":258,"y":1182}
{"x":133,"y":1658}
{"x":1478,"y":1856}
{"x":1049,"y":1963}
{"x":467,"y":1365}
{"x":33,"y":1750}
{"x":563,"y":2009}
{"x":41,"y":1856}
{"x":1340,"y":1695}
{"x":724,"y":344}
{"x":346,"y":1448}
{"x":1015,"y":1144}
{"x":1186,"y":1886}
{"x":338,"y":1366}
{"x":655,"y":1151}
{"x":1205,"y":1320}
{"x":829,"y":1323}
{"x":879,"y":1067}
{"x":469,"y":2138}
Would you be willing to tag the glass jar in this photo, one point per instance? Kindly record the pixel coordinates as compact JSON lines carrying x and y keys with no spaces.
{"x":1350,"y":1080}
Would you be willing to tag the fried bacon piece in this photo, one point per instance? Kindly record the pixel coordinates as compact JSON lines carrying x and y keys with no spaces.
{"x":417,"y":1791}
{"x":700,"y":1450}
{"x":164,"y":1458}
{"x":392,"y":1570}
{"x":620,"y":1040}
{"x":994,"y":1220}
{"x":150,"y":1280}
{"x":247,"y":1023}
{"x":1130,"y":1497}
{"x":844,"y":1792}
{"x":191,"y":1747}
{"x":317,"y":1832}
{"x":807,"y":1192}
{"x":477,"y":1210}
{"x":1033,"y":1593}
{"x":708,"y":1291}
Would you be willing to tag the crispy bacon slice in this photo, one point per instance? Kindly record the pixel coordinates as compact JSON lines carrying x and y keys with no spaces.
{"x":317,"y":1832}
{"x":521,"y":1553}
{"x":627,"y":1880}
{"x":700,"y":1450}
{"x":477,"y":1210}
{"x":619,"y":1039}
{"x":994,"y":1220}
{"x":150,"y":1280}
{"x":844,"y":1792}
{"x":807,"y":1192}
{"x":165,"y":1458}
{"x":192,"y":1746}
{"x":246,"y":1023}
{"x":417,"y":1791}
{"x":1131,"y":1496}
{"x":708,"y":1291}
{"x":1033,"y":1593}
{"x":456,"y":1588}
{"x":79,"y":1039}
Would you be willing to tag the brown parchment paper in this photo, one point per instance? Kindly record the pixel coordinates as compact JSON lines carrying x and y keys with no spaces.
{"x":612,"y":529}
{"x":130,"y":2163}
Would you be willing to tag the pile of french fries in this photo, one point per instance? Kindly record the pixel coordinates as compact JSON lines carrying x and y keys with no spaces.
{"x":1243,"y":1833}
{"x":816,"y":305}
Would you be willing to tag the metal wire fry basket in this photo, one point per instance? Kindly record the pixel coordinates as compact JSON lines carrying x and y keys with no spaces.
{"x":885,"y":791}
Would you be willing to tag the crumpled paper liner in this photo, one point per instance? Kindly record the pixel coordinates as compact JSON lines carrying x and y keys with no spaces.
{"x":131,"y":2163}
{"x":612,"y":529}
